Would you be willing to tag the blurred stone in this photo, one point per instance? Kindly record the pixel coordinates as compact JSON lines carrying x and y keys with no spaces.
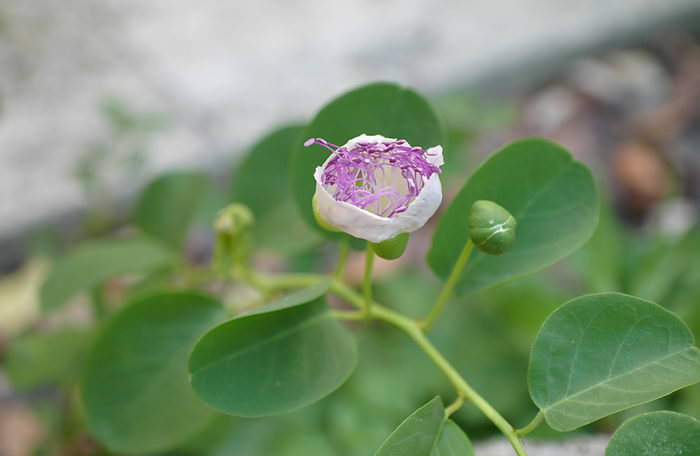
{"x":631,"y":80}
{"x":20,"y":432}
{"x":19,"y":297}
{"x":675,"y":217}
{"x":640,"y":175}
{"x":221,"y":73}
{"x":551,"y":108}
{"x":580,"y":446}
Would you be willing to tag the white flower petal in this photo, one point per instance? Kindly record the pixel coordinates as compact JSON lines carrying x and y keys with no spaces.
{"x":366,"y":225}
{"x":366,"y":138}
{"x":434,"y":156}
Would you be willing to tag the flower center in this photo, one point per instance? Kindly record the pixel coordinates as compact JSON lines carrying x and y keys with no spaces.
{"x":381,"y":177}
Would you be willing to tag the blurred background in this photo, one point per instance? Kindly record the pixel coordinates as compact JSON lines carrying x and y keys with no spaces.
{"x":98,"y":97}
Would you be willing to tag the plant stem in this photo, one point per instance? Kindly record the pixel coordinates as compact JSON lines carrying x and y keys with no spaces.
{"x":413,"y":330}
{"x":349,"y":314}
{"x":532,"y":425}
{"x":453,"y":407}
{"x":446,"y":291}
{"x":342,"y":258}
{"x":367,"y":281}
{"x":272,"y":283}
{"x":347,"y":293}
{"x":292,"y":281}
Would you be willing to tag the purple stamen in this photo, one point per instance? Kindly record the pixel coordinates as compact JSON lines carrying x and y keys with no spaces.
{"x":362,"y":175}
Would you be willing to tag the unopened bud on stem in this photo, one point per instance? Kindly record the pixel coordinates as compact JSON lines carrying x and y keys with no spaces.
{"x":491,"y":227}
{"x":233,"y":226}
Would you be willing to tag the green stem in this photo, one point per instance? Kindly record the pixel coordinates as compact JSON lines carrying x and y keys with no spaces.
{"x":449,"y":285}
{"x":453,"y":407}
{"x":343,"y":252}
{"x":413,"y":330}
{"x":273,"y":283}
{"x":367,"y":281}
{"x":292,"y":281}
{"x":349,"y":314}
{"x":532,"y":425}
{"x":347,"y":293}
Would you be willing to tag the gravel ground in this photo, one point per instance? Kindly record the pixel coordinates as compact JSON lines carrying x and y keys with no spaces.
{"x":583,"y":446}
{"x":222,"y":72}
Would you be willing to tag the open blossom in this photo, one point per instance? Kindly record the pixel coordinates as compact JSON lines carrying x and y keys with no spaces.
{"x":375,"y":188}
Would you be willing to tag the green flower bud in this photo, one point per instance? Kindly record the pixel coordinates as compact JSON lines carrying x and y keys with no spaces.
{"x":392,"y":248}
{"x":233,"y":226}
{"x":319,"y":218}
{"x":491,"y":227}
{"x":235,"y":219}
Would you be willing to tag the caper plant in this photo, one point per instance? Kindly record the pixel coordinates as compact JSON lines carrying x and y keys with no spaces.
{"x":365,"y":173}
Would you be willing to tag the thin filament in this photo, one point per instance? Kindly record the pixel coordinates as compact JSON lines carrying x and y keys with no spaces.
{"x":362,"y":175}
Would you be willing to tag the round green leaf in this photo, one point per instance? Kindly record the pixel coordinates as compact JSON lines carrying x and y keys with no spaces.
{"x":169,"y":203}
{"x":278,"y":358}
{"x":453,"y":442}
{"x":261,"y":182}
{"x":96,"y":261}
{"x":552,"y":197}
{"x":135,"y":388}
{"x":657,"y":434}
{"x":602,"y":353}
{"x":418,"y":434}
{"x":261,"y":179}
{"x":380,"y":108}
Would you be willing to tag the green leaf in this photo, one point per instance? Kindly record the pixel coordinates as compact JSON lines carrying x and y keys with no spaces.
{"x":275,"y":359}
{"x":296,"y":237}
{"x":135,"y":389}
{"x":418,"y":434}
{"x":169,"y":203}
{"x":380,"y":108}
{"x":427,"y":432}
{"x":600,"y":261}
{"x":261,"y":182}
{"x":42,"y":359}
{"x":96,"y":261}
{"x":602,"y":353}
{"x":453,"y":442}
{"x":657,"y":434}
{"x":552,"y":197}
{"x":661,"y":273}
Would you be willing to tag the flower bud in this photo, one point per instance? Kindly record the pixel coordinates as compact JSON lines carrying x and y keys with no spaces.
{"x":393,"y":248}
{"x":491,"y":227}
{"x":234,"y":220}
{"x":233,"y":226}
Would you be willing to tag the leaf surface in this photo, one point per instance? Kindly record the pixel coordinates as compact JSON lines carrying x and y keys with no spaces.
{"x":275,"y":359}
{"x":96,"y":261}
{"x":656,"y":434}
{"x":168,"y":205}
{"x":134,"y":387}
{"x":603,"y":353}
{"x":427,"y":432}
{"x":552,"y":197}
